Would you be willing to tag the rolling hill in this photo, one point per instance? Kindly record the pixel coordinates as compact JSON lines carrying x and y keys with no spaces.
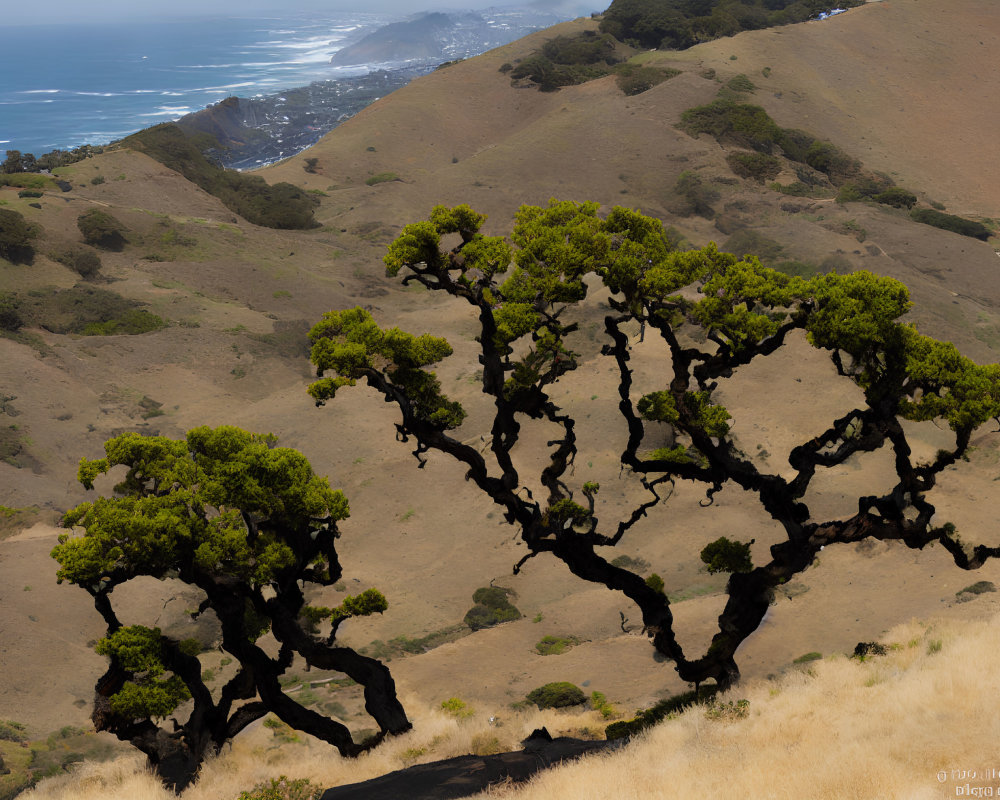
{"x":900,"y":85}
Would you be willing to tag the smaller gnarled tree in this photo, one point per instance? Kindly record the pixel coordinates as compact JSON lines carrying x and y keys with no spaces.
{"x":249,"y":525}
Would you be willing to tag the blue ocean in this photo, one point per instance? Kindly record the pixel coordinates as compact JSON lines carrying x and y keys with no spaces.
{"x":62,"y":86}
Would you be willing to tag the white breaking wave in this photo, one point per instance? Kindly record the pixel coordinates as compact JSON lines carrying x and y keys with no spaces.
{"x":168,"y":111}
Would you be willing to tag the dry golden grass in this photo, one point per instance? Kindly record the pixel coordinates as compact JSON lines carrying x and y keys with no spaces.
{"x":900,"y":726}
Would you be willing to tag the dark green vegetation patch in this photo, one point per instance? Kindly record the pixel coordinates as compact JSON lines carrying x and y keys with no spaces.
{"x":950,"y":222}
{"x":492,"y":607}
{"x":665,"y":709}
{"x":678,"y":24}
{"x":84,"y":310}
{"x":16,"y":235}
{"x":279,"y":206}
{"x":559,"y":694}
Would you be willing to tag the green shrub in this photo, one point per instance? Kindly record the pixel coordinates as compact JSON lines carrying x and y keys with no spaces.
{"x":795,"y":189}
{"x":738,"y":123}
{"x":101,"y":229}
{"x":559,"y":694}
{"x":634,"y":79}
{"x":727,"y":555}
{"x":662,"y":710}
{"x":82,"y":260}
{"x":655,"y":582}
{"x":10,"y":318}
{"x":600,"y":703}
{"x":86,"y":310}
{"x":555,"y":645}
{"x":948,"y":222}
{"x":492,"y":607}
{"x":310,"y":165}
{"x":506,"y":67}
{"x":807,"y":657}
{"x":29,"y":193}
{"x":979,"y":587}
{"x":638,"y":565}
{"x":740,"y":83}
{"x":759,"y":166}
{"x":588,"y":47}
{"x":849,"y":193}
{"x":26,"y":180}
{"x":897,"y":197}
{"x":697,"y":195}
{"x":733,"y":710}
{"x":750,"y":241}
{"x":382,"y":177}
{"x":97,"y":180}
{"x":801,"y":269}
{"x":16,"y":235}
{"x":283,"y":789}
{"x":831,"y":160}
{"x":131,"y":323}
{"x":456,"y":708}
{"x":11,"y":731}
{"x":567,"y":60}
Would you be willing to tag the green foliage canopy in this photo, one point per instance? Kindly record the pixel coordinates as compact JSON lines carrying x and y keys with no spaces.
{"x":249,"y":525}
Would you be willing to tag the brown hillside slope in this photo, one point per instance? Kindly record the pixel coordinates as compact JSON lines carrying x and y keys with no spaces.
{"x":240,"y":297}
{"x":908,"y":86}
{"x":462,"y":134}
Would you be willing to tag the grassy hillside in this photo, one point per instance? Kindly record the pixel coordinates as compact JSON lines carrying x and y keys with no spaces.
{"x":910,"y":724}
{"x":237,"y":300}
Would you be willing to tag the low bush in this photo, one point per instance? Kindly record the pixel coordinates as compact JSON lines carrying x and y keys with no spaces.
{"x":741,"y":83}
{"x":758,"y":166}
{"x":382,"y":177}
{"x":101,"y":229}
{"x":492,"y":607}
{"x":555,"y":645}
{"x":29,"y":193}
{"x":11,"y":731}
{"x":897,"y":197}
{"x":662,"y":710}
{"x":977,"y":588}
{"x":82,"y":260}
{"x":16,"y":235}
{"x":696,"y":194}
{"x":86,"y":310}
{"x":10,"y":318}
{"x":750,"y":241}
{"x":456,"y":707}
{"x":637,"y":564}
{"x":567,"y":60}
{"x":807,"y":657}
{"x":949,"y":222}
{"x":737,"y":123}
{"x":733,"y":710}
{"x":634,"y":79}
{"x":283,"y":788}
{"x":559,"y":694}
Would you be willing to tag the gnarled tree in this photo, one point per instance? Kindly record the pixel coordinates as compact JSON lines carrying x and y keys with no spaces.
{"x":249,"y":525}
{"x":715,"y":313}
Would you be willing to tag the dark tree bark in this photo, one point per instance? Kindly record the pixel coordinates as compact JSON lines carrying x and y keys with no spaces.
{"x":748,"y":312}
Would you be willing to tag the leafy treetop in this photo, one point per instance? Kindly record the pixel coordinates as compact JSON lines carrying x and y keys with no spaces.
{"x":249,"y":525}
